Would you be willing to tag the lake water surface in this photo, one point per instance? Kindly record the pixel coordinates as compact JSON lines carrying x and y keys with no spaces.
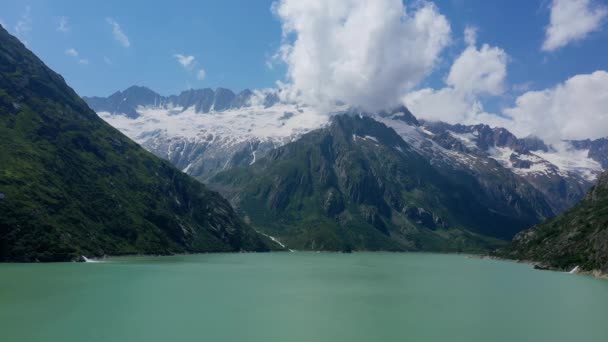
{"x":299,"y":297}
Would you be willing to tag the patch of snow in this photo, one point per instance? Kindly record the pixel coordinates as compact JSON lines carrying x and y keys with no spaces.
{"x":253,"y":155}
{"x":538,"y":164}
{"x":569,"y":159}
{"x":274,"y":240}
{"x":369,"y":137}
{"x":235,"y":125}
{"x":468,"y":139}
{"x":426,"y":131}
{"x":185,"y":170}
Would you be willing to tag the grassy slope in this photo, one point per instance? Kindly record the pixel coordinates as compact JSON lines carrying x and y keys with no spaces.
{"x":330,"y":191}
{"x":73,"y":185}
{"x":578,"y":237}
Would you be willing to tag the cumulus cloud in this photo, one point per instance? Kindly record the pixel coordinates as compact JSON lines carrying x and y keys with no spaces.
{"x":473,"y":74}
{"x":201,"y":74}
{"x":479,"y":71}
{"x":63,"y":25}
{"x":119,"y":35}
{"x":572,"y":20}
{"x":363,"y":53}
{"x":189,"y":63}
{"x":74,"y":53}
{"x":71,"y":52}
{"x":186,"y":61}
{"x":574,"y":109}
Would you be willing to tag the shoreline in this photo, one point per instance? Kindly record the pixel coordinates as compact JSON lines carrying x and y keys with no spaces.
{"x":598,"y":274}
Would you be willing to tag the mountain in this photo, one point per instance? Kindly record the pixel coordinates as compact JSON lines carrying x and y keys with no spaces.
{"x":204,"y":131}
{"x":579,"y":237}
{"x":72,"y":185}
{"x":205,"y":143}
{"x":562,"y":176}
{"x":598,"y":149}
{"x":206,"y":100}
{"x":523,"y":177}
{"x":356,"y":184}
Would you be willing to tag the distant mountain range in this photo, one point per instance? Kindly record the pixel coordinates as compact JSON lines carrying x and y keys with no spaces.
{"x":72,"y":185}
{"x":205,"y":141}
{"x":524,"y":180}
{"x":205,"y":100}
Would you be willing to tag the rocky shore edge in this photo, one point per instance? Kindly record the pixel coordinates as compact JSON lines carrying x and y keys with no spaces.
{"x":544,"y":267}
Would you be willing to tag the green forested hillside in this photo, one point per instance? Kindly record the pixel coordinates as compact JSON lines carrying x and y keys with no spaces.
{"x":71,"y":185}
{"x":579,"y":237}
{"x":357,"y":185}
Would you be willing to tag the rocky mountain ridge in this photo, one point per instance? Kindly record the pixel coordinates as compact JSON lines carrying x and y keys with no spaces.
{"x":204,"y":100}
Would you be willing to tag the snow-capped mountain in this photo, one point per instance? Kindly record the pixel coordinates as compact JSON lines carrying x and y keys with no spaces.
{"x":562,"y":173}
{"x":204,"y":132}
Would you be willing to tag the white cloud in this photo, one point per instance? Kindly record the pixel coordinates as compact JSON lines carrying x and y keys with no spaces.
{"x":479,"y":71}
{"x":186,"y":61}
{"x":474,"y":73}
{"x":572,"y":20}
{"x":119,"y":35}
{"x":470,"y":35}
{"x":201,"y":74}
{"x":74,"y":53}
{"x":24,"y":24}
{"x":63,"y":25}
{"x":522,"y":87}
{"x":574,"y":109}
{"x":189,"y":63}
{"x":71,"y":52}
{"x":364,"y":53}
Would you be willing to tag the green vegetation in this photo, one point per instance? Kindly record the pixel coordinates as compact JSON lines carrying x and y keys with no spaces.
{"x":71,"y":185}
{"x":579,"y":237}
{"x":357,"y":185}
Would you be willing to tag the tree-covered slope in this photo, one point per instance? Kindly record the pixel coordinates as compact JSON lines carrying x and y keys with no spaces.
{"x":579,"y":237}
{"x":356,"y":184}
{"x":72,"y":185}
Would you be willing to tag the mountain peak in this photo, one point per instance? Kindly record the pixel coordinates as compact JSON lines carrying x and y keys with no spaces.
{"x":203,"y":100}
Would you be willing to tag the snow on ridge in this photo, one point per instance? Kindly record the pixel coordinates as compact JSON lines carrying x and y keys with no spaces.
{"x":282,"y":123}
{"x":468,"y":139}
{"x":234,"y":126}
{"x":569,"y":159}
{"x":537,"y":166}
{"x":562,"y":160}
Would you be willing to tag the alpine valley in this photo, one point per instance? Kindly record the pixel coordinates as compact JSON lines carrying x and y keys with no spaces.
{"x":345,"y":179}
{"x":71,"y":185}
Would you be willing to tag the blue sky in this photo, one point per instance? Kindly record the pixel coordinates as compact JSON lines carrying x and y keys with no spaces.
{"x":230,"y":39}
{"x":534,"y":66}
{"x":233,"y":40}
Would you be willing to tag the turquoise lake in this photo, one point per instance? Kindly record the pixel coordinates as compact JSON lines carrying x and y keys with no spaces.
{"x":299,"y":297}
